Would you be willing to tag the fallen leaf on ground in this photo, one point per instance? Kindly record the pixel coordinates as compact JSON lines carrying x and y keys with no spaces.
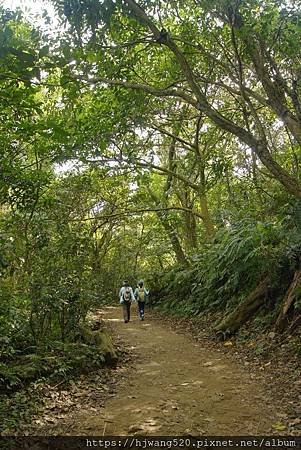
{"x":278,"y":426}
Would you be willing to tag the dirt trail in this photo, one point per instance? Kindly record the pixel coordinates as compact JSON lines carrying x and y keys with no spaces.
{"x":177,"y":388}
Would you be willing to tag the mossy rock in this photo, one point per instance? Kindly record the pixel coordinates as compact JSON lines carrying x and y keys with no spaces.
{"x":101,"y":339}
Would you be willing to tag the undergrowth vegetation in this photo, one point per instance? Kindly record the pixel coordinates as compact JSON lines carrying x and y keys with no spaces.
{"x":227,"y":270}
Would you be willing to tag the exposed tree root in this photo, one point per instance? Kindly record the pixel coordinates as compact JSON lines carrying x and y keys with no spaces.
{"x":282,"y":320}
{"x":245,"y":310}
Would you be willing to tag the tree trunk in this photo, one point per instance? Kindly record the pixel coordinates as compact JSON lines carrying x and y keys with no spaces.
{"x":171,"y":232}
{"x":190,"y":231}
{"x":190,"y":221}
{"x":208,"y":224}
{"x":246,"y":309}
{"x":289,"y":298}
{"x":176,"y":245}
{"x":291,"y":183}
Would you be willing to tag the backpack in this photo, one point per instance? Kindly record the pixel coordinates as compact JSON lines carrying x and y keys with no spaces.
{"x":127,"y":294}
{"x":141,"y":294}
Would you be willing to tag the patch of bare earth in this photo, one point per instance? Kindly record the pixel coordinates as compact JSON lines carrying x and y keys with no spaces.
{"x":266,"y":356}
{"x":173,"y":385}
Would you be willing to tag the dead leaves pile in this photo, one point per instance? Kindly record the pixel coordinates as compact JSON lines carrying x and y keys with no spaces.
{"x":58,"y":402}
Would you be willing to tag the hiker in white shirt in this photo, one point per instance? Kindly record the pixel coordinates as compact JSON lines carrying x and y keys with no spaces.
{"x":126,"y":297}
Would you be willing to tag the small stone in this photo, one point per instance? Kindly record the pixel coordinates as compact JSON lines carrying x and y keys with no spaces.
{"x":295,"y":422}
{"x":135,"y":428}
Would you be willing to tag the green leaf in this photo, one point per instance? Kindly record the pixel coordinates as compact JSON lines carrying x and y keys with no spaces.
{"x":44,"y":51}
{"x":24,"y":56}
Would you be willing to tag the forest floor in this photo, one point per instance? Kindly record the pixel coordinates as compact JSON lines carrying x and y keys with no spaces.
{"x":167,"y":384}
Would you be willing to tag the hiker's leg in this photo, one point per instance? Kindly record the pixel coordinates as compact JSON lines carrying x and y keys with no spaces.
{"x":142,"y":308}
{"x":129,"y":310}
{"x":125,"y":312}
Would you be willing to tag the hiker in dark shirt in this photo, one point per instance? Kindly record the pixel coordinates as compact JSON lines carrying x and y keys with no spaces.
{"x":126,"y":297}
{"x":141,"y":295}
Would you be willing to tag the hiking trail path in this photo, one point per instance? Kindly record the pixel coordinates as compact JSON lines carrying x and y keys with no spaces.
{"x":175,"y":386}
